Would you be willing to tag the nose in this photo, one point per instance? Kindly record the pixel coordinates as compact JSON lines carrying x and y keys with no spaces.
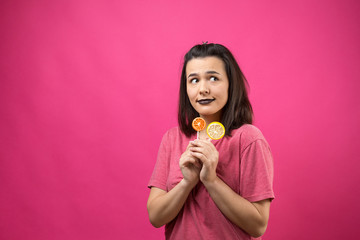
{"x":204,"y":88}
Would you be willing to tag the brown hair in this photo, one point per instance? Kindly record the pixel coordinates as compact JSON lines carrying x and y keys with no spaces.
{"x":237,"y":111}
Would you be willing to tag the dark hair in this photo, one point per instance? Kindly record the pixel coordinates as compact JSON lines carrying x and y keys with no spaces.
{"x":237,"y":111}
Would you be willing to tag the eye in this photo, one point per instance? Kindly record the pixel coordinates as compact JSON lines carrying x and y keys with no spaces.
{"x":194,"y":80}
{"x":213,"y":79}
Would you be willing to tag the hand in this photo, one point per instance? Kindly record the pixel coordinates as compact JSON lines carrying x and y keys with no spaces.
{"x":190,"y":167}
{"x":206,"y":152}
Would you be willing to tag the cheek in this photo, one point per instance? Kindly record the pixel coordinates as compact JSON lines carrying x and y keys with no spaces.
{"x":222,"y":91}
{"x":190,"y":93}
{"x":225,"y":94}
{"x":226,"y":90}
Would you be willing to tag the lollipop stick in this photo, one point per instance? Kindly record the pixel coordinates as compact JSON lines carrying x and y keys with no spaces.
{"x":197,"y":135}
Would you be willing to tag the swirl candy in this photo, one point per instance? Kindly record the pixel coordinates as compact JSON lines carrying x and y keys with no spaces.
{"x":215,"y":130}
{"x":198,"y":124}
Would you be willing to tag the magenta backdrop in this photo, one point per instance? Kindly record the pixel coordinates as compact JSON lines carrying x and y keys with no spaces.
{"x":88,"y":88}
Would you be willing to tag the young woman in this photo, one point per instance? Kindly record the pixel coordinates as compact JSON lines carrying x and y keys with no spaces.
{"x":218,"y":189}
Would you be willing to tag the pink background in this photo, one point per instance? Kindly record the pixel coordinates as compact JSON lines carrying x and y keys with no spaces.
{"x":88,"y":88}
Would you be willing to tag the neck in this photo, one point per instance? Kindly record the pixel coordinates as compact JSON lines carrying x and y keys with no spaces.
{"x":212,"y":118}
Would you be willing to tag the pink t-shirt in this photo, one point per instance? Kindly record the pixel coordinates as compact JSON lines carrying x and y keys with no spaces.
{"x":245,"y":165}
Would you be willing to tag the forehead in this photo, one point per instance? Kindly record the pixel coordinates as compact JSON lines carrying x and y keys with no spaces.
{"x":200,"y":65}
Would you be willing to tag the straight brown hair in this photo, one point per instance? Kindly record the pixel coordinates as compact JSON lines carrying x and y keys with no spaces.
{"x":237,"y":111}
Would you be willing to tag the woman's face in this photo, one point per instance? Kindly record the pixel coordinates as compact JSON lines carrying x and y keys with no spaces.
{"x":207,"y":86}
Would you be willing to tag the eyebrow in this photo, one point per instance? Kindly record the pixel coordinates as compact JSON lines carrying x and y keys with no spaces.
{"x":208,"y":72}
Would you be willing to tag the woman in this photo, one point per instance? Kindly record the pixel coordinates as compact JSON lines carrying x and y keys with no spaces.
{"x":218,"y":189}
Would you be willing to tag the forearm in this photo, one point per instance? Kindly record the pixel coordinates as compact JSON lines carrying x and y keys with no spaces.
{"x":236,"y":208}
{"x":164,"y":208}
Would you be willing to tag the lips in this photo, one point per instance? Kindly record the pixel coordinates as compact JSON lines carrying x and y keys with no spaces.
{"x":205,"y":101}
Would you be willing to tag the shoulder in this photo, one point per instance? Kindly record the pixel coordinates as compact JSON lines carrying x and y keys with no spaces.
{"x":174,"y":134}
{"x":174,"y":141}
{"x":248,"y":134}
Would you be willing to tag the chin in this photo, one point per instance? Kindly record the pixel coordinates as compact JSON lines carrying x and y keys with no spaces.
{"x":206,"y":113}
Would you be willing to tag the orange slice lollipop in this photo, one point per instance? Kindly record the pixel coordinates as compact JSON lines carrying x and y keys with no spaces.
{"x":198,"y":124}
{"x":215,"y":130}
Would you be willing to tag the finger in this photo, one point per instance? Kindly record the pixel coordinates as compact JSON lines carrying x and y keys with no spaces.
{"x":205,"y":147}
{"x":212,"y":146}
{"x":191,"y":143}
{"x":185,"y":158}
{"x":201,"y":150}
{"x":189,"y":160}
{"x":207,"y":143}
{"x":197,"y":163}
{"x":199,"y":156}
{"x":196,"y":149}
{"x":201,"y":143}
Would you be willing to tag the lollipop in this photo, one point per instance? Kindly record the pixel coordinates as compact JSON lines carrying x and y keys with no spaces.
{"x":198,"y":124}
{"x":215,"y":130}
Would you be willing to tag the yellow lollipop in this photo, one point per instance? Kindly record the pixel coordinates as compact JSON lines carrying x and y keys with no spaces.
{"x":215,"y":130}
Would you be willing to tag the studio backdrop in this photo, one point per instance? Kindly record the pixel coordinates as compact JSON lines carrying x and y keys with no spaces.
{"x":88,"y":88}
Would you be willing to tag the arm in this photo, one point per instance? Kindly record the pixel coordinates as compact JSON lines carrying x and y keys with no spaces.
{"x":251,"y":217}
{"x":164,"y":206}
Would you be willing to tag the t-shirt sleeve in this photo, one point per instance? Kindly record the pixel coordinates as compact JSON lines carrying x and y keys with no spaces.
{"x":257,"y":172}
{"x":160,"y":173}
